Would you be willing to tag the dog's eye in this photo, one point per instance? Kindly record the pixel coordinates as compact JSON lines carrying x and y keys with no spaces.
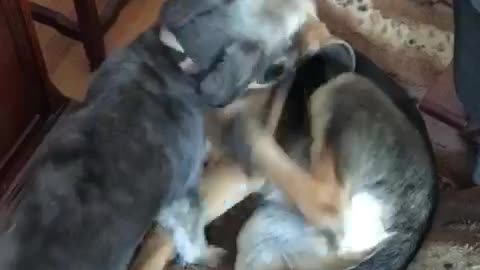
{"x":274,"y":72}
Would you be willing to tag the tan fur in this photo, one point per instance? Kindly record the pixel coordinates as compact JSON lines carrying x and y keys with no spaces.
{"x":225,"y":185}
{"x":156,"y":251}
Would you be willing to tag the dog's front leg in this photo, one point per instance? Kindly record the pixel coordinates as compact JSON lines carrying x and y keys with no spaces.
{"x":320,"y":198}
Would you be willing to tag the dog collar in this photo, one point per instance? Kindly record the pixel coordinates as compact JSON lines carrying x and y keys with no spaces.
{"x":169,"y":40}
{"x":187,"y":64}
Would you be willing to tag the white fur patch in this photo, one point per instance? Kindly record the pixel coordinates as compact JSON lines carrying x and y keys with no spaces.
{"x":189,"y":251}
{"x":256,"y":85}
{"x":363,"y":225}
{"x":184,"y":245}
{"x":208,"y":146}
{"x":189,"y":66}
{"x":276,"y":196}
{"x":169,"y":39}
{"x":306,"y":9}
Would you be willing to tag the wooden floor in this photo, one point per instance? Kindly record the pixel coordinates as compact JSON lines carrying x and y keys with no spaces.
{"x":65,"y":58}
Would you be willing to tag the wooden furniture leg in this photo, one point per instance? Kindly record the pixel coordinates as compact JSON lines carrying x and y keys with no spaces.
{"x":57,"y":20}
{"x":91,"y":31}
{"x":29,"y":103}
{"x":90,"y":28}
{"x":110,"y":13}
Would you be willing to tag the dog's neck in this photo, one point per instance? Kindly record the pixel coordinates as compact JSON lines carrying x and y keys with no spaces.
{"x":186,"y":63}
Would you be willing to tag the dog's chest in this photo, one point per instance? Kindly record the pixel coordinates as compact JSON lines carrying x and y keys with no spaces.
{"x":363,"y":224}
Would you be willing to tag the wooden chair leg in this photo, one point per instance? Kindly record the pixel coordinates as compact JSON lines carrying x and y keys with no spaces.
{"x":442,"y":114}
{"x":55,"y":19}
{"x":110,"y":12}
{"x":91,"y":31}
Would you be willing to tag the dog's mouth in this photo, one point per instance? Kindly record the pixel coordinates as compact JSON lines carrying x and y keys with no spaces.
{"x":272,"y":75}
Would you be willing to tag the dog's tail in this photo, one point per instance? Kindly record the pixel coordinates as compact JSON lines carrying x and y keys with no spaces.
{"x":394,"y":254}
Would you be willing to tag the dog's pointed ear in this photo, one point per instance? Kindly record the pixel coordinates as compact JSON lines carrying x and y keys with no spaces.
{"x":177,"y":13}
{"x":339,"y":57}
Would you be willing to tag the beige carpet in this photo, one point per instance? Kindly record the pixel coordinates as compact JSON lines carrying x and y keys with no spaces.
{"x":412,"y":42}
{"x":448,"y":256}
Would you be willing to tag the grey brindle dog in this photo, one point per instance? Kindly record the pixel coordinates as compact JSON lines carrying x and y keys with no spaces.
{"x":137,"y":144}
{"x":135,"y":147}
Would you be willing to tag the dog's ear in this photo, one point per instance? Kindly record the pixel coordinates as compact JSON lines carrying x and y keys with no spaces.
{"x":177,"y":13}
{"x":230,"y":76}
{"x":339,"y":57}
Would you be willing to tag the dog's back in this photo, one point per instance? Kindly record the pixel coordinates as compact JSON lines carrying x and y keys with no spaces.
{"x":383,"y":159}
{"x":105,"y":170}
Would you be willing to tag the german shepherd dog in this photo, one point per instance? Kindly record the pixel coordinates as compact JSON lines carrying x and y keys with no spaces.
{"x":361,"y":188}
